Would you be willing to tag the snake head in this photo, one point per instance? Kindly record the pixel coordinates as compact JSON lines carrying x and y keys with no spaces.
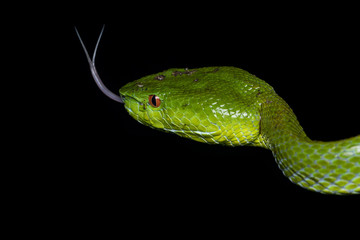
{"x":212,"y":104}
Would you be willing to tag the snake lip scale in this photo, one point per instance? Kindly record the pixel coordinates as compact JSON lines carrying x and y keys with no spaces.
{"x":230,"y":106}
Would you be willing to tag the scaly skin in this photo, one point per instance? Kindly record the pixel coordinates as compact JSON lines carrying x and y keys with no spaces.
{"x":229,"y":106}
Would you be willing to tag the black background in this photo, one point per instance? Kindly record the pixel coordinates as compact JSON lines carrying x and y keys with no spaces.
{"x":102,"y":159}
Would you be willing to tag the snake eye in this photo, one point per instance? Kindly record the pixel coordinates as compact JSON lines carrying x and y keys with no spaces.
{"x":154,"y":101}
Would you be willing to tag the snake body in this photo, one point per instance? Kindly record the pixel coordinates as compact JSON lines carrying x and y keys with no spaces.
{"x":229,"y":106}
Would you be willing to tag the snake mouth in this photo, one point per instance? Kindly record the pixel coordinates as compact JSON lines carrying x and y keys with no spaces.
{"x":131,"y":102}
{"x":127,"y":98}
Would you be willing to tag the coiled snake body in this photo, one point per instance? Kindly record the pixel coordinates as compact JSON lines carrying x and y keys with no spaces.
{"x":229,"y":106}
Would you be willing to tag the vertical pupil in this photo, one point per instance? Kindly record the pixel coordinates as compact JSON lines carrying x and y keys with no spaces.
{"x":153,"y":101}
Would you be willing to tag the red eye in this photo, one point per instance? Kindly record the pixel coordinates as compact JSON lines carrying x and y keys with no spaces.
{"x":154,"y":101}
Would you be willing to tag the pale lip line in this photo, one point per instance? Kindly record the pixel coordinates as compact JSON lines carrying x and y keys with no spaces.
{"x":201,"y":133}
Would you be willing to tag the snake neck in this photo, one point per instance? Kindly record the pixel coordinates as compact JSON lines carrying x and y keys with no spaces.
{"x":326,"y":167}
{"x":278,"y":124}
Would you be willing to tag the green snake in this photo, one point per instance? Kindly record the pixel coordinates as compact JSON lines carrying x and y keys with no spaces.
{"x":229,"y":106}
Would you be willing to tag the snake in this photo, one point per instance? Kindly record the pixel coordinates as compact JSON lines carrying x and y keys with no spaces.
{"x":229,"y":106}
